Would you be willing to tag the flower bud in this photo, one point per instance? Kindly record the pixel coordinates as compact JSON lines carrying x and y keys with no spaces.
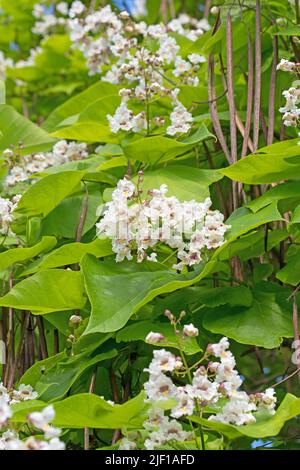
{"x":214,"y":10}
{"x":75,"y":320}
{"x":190,"y":330}
{"x":154,"y":338}
{"x":124,"y":15}
{"x":8,"y":153}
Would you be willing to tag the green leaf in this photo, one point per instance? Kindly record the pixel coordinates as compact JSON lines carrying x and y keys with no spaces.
{"x":242,"y":220}
{"x":282,"y":163}
{"x":290,"y":274}
{"x":99,"y":110}
{"x":63,"y":220}
{"x":55,"y":382}
{"x":18,"y":255}
{"x":46,"y":292}
{"x":77,"y":104}
{"x":184,"y":182}
{"x":263,"y":324}
{"x":282,"y":191}
{"x":88,"y":131}
{"x":296,"y":216}
{"x":139,"y":330}
{"x":158,"y":149}
{"x":69,"y":254}
{"x":252,"y":245}
{"x":16,"y":128}
{"x":265,"y":426}
{"x":43,"y":196}
{"x":215,"y":296}
{"x":89,"y":410}
{"x":116,"y":294}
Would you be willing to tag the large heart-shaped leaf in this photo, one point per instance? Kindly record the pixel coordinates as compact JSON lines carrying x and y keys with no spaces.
{"x":46,"y":292}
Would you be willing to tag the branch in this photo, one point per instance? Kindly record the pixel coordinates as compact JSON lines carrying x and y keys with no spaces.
{"x":257,"y":91}
{"x":271,"y":115}
{"x":250,"y":83}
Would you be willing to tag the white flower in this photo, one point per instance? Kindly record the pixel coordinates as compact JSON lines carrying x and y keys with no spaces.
{"x":168,"y":49}
{"x":286,"y":66}
{"x":154,"y":338}
{"x":196,"y":59}
{"x":185,"y":404}
{"x":121,"y":120}
{"x":24,"y":393}
{"x":77,"y":8}
{"x":219,"y":348}
{"x":163,"y":361}
{"x":159,"y":387}
{"x":126,"y":444}
{"x":43,"y":418}
{"x":190,"y":330}
{"x":180,"y":120}
{"x":267,"y":401}
{"x":238,"y":410}
{"x":63,"y":8}
{"x":203,"y":389}
{"x":181,"y":66}
{"x":155,"y":419}
{"x":3,"y":392}
{"x":5,"y":411}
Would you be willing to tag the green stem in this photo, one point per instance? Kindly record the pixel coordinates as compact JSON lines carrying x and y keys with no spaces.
{"x":297,"y":8}
{"x":201,"y":433}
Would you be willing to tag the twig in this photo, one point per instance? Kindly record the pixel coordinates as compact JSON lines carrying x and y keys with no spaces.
{"x":250,"y":83}
{"x":86,"y":430}
{"x":12,"y":372}
{"x":297,"y":9}
{"x":172,"y":8}
{"x":83,"y":213}
{"x":297,"y":371}
{"x":207,"y":8}
{"x":30,"y":340}
{"x":213,"y":108}
{"x":271,"y":115}
{"x":296,"y":334}
{"x":257,"y":90}
{"x":212,"y":101}
{"x":10,"y":340}
{"x":115,"y":394}
{"x":56,"y":341}
{"x":218,"y":186}
{"x":42,"y":337}
{"x":230,"y":86}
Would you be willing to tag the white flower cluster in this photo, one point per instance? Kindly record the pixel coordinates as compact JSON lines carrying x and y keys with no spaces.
{"x":7,"y":207}
{"x":114,"y":45}
{"x":218,"y":380}
{"x":125,"y":120}
{"x":9,"y":438}
{"x":181,"y":119}
{"x":48,"y":19}
{"x":136,"y":224}
{"x":139,"y":8}
{"x":291,"y":111}
{"x":62,"y":152}
{"x":103,"y":35}
{"x":24,"y":393}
